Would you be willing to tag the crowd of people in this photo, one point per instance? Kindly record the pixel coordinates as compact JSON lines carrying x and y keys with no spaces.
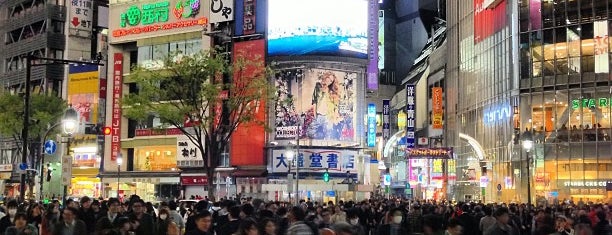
{"x":248,"y":216}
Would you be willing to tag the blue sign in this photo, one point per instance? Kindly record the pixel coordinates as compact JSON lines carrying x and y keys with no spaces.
{"x":387,"y":180}
{"x":371,"y":125}
{"x":497,"y":113}
{"x":23,"y":166}
{"x":50,"y":147}
{"x":386,"y":125}
{"x":410,"y":116}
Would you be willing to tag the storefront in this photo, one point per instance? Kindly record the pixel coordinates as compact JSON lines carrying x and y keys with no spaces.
{"x":85,"y":168}
{"x":160,"y":188}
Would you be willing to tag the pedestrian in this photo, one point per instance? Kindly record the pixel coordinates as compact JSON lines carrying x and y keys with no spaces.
{"x":143,"y":223}
{"x":165,"y":224}
{"x":297,"y":223}
{"x":9,"y":218}
{"x":203,"y":222}
{"x":501,"y":227}
{"x":267,"y":226}
{"x":247,"y":226}
{"x":21,"y":226}
{"x":121,"y":226}
{"x":69,"y":224}
{"x":394,"y":225}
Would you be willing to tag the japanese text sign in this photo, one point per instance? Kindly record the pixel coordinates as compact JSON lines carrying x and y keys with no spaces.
{"x":372,"y":74}
{"x":316,"y":160}
{"x":134,"y":21}
{"x":221,"y":10}
{"x":80,"y":16}
{"x":249,"y":17}
{"x":429,"y":153}
{"x":437,"y":111}
{"x":386,"y":125}
{"x":371,"y":125}
{"x":410,"y":116}
{"x":186,"y":150}
{"x":116,"y":109}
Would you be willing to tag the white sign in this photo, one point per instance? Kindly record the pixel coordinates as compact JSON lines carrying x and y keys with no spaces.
{"x":81,"y":17}
{"x":6,"y":167}
{"x":66,"y":170}
{"x":316,"y":160}
{"x":221,"y":11}
{"x":586,"y":183}
{"x":186,"y":150}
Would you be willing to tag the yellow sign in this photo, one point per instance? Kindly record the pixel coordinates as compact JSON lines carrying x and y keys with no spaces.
{"x":83,"y":91}
{"x":437,"y":166}
{"x":451,"y":166}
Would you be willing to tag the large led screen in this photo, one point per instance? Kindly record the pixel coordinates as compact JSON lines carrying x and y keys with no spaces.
{"x":318,"y":27}
{"x":316,"y":104}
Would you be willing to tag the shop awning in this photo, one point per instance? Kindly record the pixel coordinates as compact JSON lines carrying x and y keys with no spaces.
{"x":250,"y":173}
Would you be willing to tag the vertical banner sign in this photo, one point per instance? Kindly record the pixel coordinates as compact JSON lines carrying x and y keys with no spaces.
{"x":248,"y":17}
{"x":81,"y":16}
{"x":116,"y":118}
{"x":66,"y":170}
{"x":386,"y":125}
{"x":249,"y":139}
{"x":381,"y":39}
{"x":82,"y":90}
{"x":601,"y":46}
{"x":221,"y":11}
{"x":438,"y":107}
{"x":371,"y":125}
{"x":410,"y":116}
{"x":372,"y":72}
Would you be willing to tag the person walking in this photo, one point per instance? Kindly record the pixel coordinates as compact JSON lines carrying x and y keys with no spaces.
{"x":69,"y":224}
{"x":21,"y":227}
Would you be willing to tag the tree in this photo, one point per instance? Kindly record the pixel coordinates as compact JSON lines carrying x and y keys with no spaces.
{"x":191,"y":94}
{"x":45,"y":110}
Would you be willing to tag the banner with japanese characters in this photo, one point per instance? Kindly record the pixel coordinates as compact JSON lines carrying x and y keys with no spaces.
{"x":186,"y":150}
{"x":315,"y":160}
{"x":221,"y":11}
{"x":81,"y":18}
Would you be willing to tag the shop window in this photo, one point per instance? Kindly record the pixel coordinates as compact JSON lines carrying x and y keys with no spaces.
{"x":159,"y":158}
{"x":547,"y":13}
{"x":588,"y":64}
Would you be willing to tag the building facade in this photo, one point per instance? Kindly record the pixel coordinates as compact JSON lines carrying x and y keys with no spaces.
{"x":481,"y":87}
{"x":564,"y":97}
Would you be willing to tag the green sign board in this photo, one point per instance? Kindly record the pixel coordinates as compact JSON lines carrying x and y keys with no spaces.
{"x":158,"y":12}
{"x":590,"y":103}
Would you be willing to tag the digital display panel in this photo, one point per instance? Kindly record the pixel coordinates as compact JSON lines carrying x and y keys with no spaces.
{"x":318,"y":27}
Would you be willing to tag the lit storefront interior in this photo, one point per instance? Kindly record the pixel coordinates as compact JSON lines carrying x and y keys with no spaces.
{"x":567,"y":109}
{"x":85,"y":169}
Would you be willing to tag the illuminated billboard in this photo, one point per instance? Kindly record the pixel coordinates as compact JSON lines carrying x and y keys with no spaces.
{"x":318,"y":27}
{"x":319,"y":104}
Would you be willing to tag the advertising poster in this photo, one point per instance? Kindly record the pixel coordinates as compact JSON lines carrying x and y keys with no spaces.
{"x":248,"y":140}
{"x":318,"y":27}
{"x":83,"y":91}
{"x":488,"y":21}
{"x":601,"y":46}
{"x":316,"y":160}
{"x":438,"y":110}
{"x":381,"y":39}
{"x":316,"y":104}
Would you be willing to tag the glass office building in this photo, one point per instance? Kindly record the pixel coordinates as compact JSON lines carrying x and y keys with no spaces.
{"x":565,"y":93}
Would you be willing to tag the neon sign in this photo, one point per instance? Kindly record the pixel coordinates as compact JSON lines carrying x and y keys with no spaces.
{"x":496,"y":114}
{"x":152,"y":17}
{"x":590,"y":103}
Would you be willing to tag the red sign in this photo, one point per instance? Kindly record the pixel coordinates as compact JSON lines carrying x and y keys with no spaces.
{"x":194,"y":180}
{"x":155,"y":132}
{"x":248,"y":140}
{"x":102,"y":88}
{"x":116,"y":118}
{"x":488,"y":21}
{"x":248,"y":17}
{"x":159,"y":27}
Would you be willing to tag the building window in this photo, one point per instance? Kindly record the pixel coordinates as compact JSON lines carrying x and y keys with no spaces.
{"x":155,"y":158}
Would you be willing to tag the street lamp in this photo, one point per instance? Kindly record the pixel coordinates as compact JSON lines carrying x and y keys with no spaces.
{"x":527,"y":143}
{"x":290,"y":155}
{"x":69,"y":122}
{"x":119,"y":162}
{"x":30,"y":62}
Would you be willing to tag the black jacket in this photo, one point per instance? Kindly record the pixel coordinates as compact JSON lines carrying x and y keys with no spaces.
{"x":5,"y":222}
{"x":147,"y":224}
{"x":89,"y":217}
{"x":229,"y":228}
{"x":385,"y":229}
{"x":79,"y":228}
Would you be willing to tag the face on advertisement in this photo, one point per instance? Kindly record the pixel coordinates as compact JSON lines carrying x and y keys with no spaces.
{"x":321,"y":101}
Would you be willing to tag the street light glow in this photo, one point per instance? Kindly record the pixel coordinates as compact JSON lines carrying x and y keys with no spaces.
{"x":119,"y":161}
{"x":527,"y":145}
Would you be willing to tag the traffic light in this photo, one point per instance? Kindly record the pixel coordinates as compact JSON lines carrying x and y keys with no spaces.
{"x":326,"y":176}
{"x":106,"y":130}
{"x":97,"y":129}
